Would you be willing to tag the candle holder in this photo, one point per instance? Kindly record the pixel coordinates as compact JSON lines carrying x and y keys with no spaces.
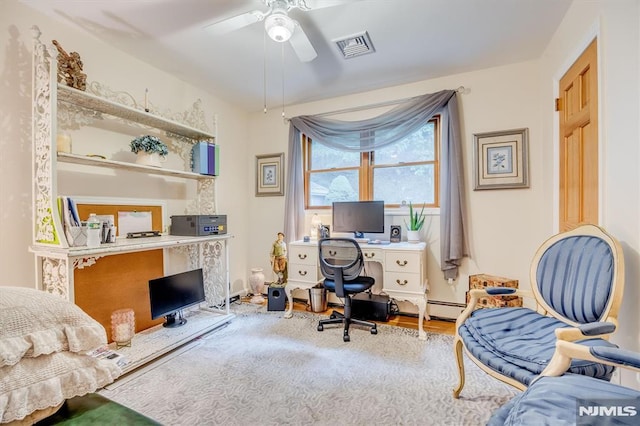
{"x":123,"y":327}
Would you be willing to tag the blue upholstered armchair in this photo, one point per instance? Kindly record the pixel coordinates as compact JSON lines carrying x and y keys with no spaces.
{"x":577,"y":281}
{"x":556,"y":398}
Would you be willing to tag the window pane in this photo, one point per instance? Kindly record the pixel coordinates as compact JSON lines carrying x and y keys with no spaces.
{"x":410,"y":183}
{"x":327,"y":187}
{"x":323,"y":157}
{"x":416,"y":147}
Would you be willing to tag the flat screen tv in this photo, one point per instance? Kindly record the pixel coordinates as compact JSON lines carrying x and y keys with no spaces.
{"x":358,"y":217}
{"x":171,"y":294}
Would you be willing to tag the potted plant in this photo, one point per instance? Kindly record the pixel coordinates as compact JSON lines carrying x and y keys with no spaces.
{"x":150,"y":150}
{"x":416,"y":220}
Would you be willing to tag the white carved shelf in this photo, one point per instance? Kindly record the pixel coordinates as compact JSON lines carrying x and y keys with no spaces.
{"x":97,"y":104}
{"x":122,"y":165}
{"x":126,"y":245}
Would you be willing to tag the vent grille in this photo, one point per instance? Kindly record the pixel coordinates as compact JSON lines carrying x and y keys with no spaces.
{"x":355,"y":45}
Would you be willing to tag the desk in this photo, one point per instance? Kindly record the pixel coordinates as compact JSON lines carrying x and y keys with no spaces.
{"x":404,"y":272}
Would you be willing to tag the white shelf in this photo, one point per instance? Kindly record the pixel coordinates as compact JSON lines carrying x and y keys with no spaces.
{"x":94,"y":103}
{"x":126,"y":245}
{"x":156,"y":341}
{"x":112,"y":164}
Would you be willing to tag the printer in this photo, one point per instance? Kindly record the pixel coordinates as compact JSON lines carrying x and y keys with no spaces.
{"x":198,"y":225}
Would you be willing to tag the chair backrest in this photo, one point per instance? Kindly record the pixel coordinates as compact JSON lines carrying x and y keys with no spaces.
{"x":340,"y":257}
{"x":578,"y":276}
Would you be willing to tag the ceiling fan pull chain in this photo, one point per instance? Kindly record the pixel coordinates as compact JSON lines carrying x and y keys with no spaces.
{"x":282,"y":46}
{"x":264,"y":72}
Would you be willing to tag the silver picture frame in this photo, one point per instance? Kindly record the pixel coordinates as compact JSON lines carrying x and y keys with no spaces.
{"x":270,"y":175}
{"x":501,"y":159}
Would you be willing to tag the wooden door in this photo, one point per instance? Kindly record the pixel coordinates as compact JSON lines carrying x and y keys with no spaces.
{"x":578,"y":106}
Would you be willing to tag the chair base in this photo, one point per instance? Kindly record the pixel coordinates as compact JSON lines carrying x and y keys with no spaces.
{"x":339,"y":318}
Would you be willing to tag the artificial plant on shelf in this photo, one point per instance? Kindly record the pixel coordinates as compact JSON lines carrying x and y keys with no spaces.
{"x":149,"y":144}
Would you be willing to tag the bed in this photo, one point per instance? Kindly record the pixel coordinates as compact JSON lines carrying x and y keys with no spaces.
{"x":45,"y":343}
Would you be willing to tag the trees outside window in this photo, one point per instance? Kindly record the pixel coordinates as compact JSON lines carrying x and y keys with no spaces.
{"x":404,"y":171}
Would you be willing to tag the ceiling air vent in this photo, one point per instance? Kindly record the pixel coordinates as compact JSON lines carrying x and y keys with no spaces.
{"x":355,"y":45}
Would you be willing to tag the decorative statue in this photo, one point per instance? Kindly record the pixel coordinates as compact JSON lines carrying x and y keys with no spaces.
{"x":279,"y":258}
{"x":70,"y":68}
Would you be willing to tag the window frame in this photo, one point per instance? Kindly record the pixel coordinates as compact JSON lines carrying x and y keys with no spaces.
{"x":366,"y":171}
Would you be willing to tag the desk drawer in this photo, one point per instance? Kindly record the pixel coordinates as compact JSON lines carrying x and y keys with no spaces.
{"x":373,"y":255}
{"x":403,"y":282}
{"x":307,"y":255}
{"x":402,"y":261}
{"x":302,"y":272}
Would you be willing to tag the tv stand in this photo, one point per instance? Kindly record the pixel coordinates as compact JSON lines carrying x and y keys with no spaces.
{"x":174,"y":320}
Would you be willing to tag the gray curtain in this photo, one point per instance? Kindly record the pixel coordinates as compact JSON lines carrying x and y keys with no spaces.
{"x":385,"y":129}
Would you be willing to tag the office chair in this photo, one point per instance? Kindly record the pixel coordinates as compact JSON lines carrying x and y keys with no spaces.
{"x":341,"y":262}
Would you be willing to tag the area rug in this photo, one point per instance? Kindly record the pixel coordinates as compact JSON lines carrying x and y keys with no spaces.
{"x":263,"y":369}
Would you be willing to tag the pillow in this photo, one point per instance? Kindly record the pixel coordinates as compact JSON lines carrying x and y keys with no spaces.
{"x":34,"y":322}
{"x":47,"y":381}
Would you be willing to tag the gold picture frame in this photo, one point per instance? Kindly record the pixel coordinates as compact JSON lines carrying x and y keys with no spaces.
{"x":270,"y":175}
{"x":501,"y":159}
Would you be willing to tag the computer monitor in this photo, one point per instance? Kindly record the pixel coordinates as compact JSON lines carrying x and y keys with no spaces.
{"x":358,"y":217}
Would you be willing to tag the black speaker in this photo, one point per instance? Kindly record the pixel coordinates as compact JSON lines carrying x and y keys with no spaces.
{"x":276,"y":299}
{"x":395,"y":234}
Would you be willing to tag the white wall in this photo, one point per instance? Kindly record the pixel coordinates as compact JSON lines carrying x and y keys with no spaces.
{"x":505,"y":226}
{"x":615,"y":23}
{"x":119,"y":72}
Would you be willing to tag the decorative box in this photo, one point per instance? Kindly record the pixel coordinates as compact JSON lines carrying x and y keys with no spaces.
{"x":481,"y":281}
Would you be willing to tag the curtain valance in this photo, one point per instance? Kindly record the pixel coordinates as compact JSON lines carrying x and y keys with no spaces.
{"x":373,"y":133}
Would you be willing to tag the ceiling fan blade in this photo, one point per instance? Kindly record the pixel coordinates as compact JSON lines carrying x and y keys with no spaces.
{"x":235,"y":23}
{"x":319,"y":4}
{"x":301,"y":45}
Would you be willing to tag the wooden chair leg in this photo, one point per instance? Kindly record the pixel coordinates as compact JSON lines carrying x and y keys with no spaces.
{"x":457,"y":345}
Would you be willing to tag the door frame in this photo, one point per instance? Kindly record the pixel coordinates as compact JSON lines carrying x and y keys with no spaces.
{"x":593,"y":33}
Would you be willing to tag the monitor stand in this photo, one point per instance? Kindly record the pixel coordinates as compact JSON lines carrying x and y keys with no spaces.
{"x":171,"y":321}
{"x":359,"y":237}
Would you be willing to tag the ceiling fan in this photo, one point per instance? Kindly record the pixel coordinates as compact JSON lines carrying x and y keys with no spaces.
{"x":277,"y":23}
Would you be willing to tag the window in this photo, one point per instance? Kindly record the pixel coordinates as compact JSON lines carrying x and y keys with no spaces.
{"x":405,"y":171}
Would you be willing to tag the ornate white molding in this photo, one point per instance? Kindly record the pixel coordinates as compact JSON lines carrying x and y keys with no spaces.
{"x":81,"y":262}
{"x":45,"y":231}
{"x":55,"y":277}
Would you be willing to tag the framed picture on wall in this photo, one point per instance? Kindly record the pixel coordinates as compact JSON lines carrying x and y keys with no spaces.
{"x":269,"y":175}
{"x":501,"y":159}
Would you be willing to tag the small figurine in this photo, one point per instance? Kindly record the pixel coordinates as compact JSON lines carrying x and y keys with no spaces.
{"x":70,"y":68}
{"x":279,"y":258}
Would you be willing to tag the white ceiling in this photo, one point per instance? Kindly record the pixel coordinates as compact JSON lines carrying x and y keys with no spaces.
{"x":414,"y":40}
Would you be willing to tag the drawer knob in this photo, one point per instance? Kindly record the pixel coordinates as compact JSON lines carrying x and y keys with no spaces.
{"x":302,"y":273}
{"x":401,"y":262}
{"x":403,"y":282}
{"x":369,"y":255}
{"x":302,"y":256}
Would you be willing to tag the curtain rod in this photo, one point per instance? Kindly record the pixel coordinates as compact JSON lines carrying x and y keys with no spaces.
{"x":371,"y":106}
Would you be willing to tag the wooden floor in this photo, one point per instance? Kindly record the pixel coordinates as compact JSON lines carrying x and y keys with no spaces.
{"x":433,"y":326}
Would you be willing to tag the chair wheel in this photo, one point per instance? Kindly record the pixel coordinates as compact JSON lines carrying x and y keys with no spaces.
{"x":346,"y":338}
{"x":320,"y":327}
{"x":332,"y":316}
{"x":374,"y":330}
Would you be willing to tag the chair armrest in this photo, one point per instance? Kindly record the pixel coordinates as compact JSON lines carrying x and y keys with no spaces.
{"x":567,"y":351}
{"x":477,"y":293}
{"x":596,"y":329}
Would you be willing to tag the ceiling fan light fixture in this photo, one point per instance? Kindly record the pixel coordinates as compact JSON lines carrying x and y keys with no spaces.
{"x":279,"y":27}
